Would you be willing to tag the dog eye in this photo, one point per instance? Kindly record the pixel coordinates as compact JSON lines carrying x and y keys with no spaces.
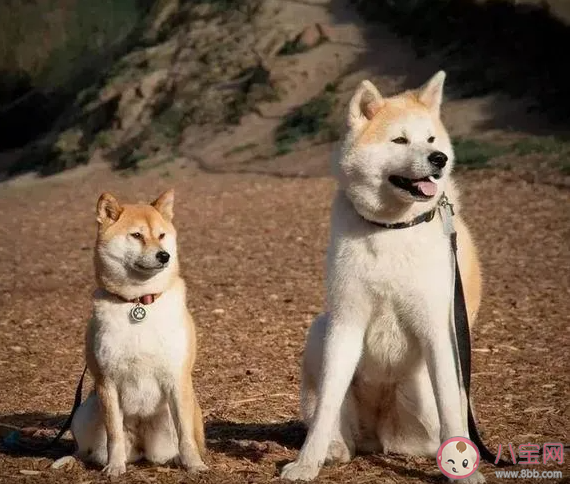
{"x":400,"y":141}
{"x":431,"y":139}
{"x":465,"y":463}
{"x":136,"y":235}
{"x":161,"y":236}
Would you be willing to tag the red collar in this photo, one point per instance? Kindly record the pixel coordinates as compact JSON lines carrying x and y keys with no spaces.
{"x":146,"y":299}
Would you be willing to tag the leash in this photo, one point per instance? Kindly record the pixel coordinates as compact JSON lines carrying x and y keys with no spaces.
{"x":460,"y":317}
{"x":462,"y":334}
{"x":13,"y":442}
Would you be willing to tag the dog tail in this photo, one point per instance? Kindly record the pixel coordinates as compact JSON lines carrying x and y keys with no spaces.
{"x":199,"y":435}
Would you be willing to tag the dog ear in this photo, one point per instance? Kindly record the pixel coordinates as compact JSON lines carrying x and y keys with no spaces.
{"x":365,"y":103}
{"x":108,"y":208}
{"x":431,"y":93}
{"x":165,"y":204}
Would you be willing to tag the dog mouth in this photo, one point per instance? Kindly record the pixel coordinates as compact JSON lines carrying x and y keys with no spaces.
{"x":422,"y":188}
{"x":147,"y":269}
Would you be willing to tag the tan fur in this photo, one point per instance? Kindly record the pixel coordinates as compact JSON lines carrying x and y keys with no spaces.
{"x":470,"y":268}
{"x":393,"y":109}
{"x":162,"y":419}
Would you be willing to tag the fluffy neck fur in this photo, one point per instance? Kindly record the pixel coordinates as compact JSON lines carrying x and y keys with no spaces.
{"x":116,"y":279}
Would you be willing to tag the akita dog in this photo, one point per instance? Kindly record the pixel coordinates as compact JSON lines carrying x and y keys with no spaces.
{"x":140,"y":345}
{"x":379,"y":368}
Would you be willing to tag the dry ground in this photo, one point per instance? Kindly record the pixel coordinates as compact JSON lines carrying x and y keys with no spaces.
{"x":253,"y":246}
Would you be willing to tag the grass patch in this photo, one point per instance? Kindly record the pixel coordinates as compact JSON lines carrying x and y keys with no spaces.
{"x":170,"y":123}
{"x":472,"y":154}
{"x":309,"y":121}
{"x":548,"y":145}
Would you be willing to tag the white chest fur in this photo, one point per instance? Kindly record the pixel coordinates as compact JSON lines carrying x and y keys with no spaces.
{"x":144,"y":359}
{"x":398,"y":280}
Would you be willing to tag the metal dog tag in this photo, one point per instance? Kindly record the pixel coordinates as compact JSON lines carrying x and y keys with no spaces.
{"x":138,"y":313}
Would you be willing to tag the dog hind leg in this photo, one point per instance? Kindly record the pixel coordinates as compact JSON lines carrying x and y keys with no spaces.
{"x":159,"y":438}
{"x":88,"y":430}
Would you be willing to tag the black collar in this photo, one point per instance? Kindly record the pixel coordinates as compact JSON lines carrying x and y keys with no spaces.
{"x":424,"y":217}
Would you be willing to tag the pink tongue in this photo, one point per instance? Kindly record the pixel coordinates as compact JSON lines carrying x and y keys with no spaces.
{"x":428,"y":188}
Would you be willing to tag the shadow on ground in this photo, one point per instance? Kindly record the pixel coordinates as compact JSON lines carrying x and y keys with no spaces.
{"x":485,"y":47}
{"x":234,"y":439}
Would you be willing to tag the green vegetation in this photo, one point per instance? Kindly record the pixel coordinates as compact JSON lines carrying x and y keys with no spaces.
{"x":170,"y":123}
{"x":472,"y":153}
{"x":309,"y":121}
{"x":547,"y":145}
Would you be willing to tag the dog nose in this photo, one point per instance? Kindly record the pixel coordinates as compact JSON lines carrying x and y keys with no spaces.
{"x":437,"y":158}
{"x":163,"y":257}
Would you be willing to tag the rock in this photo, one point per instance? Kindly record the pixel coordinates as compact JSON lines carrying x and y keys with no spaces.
{"x":310,"y":37}
{"x":164,"y":12}
{"x":66,"y":462}
{"x":218,"y":312}
{"x":153,"y":83}
{"x":136,"y":98}
{"x":326,"y":32}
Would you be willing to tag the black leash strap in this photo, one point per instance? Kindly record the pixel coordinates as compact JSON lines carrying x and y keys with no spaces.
{"x":19,"y":445}
{"x":464,"y":348}
{"x":460,"y":317}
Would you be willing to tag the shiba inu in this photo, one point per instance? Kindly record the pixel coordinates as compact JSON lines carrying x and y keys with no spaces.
{"x":379,"y":368}
{"x":140,"y":345}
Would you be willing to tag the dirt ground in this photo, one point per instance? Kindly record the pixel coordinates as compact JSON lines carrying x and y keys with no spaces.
{"x":253,"y":246}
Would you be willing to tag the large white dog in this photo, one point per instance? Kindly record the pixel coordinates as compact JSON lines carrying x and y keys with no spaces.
{"x":380,"y":369}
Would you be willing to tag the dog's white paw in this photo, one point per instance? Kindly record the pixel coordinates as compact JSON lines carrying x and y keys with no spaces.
{"x":476,"y":478}
{"x":115,"y":469}
{"x":297,"y":471}
{"x":338,"y":452}
{"x":191,"y":464}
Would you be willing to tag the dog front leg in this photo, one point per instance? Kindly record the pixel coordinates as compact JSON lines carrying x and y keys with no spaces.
{"x":342,"y":351}
{"x":181,"y":402}
{"x":113,"y":419}
{"x":448,"y":394}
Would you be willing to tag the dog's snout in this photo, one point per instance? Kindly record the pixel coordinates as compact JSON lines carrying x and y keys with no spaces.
{"x":437,"y":158}
{"x":162,"y":256}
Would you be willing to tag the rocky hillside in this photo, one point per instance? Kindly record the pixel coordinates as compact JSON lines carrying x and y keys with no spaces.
{"x":259,"y":85}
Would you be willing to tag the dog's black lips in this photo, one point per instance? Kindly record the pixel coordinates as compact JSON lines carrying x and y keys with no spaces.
{"x":149,"y":268}
{"x":408,"y":184}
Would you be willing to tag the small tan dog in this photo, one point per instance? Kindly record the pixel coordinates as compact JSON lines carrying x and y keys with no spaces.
{"x":140,"y":345}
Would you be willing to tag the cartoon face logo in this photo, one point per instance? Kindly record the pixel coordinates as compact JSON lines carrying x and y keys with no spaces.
{"x":458,"y":458}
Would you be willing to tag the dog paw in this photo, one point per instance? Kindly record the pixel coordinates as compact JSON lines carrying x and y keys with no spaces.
{"x":476,"y":478}
{"x":115,"y":469}
{"x":191,"y":464}
{"x":338,"y":452}
{"x":296,"y":471}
